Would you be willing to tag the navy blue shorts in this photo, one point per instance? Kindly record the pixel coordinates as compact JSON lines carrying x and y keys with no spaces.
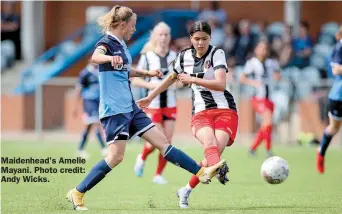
{"x":125,"y":126}
{"x":90,"y":111}
{"x":335,"y":109}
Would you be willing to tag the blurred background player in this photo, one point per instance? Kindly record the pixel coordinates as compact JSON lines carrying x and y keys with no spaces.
{"x":335,"y":103}
{"x":119,"y":115}
{"x":257,"y":73}
{"x":87,"y":91}
{"x":156,"y":55}
{"x":215,"y":120}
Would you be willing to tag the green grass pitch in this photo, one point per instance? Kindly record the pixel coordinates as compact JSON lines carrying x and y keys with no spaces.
{"x":304,"y":191}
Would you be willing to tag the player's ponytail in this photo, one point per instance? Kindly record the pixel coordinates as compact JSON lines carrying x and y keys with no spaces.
{"x":112,"y":19}
{"x":152,"y":42}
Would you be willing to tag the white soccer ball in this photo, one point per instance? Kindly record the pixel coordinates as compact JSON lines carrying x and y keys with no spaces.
{"x":275,"y":170}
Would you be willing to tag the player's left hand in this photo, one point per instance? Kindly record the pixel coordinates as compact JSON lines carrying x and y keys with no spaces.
{"x":154,"y":73}
{"x":185,"y":78}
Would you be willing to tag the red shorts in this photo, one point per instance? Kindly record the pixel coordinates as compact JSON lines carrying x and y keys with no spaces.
{"x":158,"y":115}
{"x":261,"y":104}
{"x":217,"y":119}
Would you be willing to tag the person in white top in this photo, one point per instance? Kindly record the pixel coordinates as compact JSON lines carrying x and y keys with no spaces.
{"x":162,"y":110}
{"x":258,"y":72}
{"x":215,"y":118}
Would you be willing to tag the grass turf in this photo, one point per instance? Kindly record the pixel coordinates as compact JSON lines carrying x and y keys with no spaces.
{"x":304,"y":191}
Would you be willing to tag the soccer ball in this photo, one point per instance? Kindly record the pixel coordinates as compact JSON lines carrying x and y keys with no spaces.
{"x":275,"y":170}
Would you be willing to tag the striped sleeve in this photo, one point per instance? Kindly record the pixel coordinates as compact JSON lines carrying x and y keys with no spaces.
{"x":219,"y":60}
{"x":177,"y":63}
{"x":248,"y":68}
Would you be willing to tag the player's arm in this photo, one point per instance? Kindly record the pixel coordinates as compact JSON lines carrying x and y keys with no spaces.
{"x":99,"y":57}
{"x":217,"y":84}
{"x":244,"y":79}
{"x":135,"y":72}
{"x":165,"y":84}
{"x":139,"y":82}
{"x":337,"y":69}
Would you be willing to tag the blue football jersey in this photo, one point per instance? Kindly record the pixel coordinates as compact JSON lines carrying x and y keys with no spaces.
{"x":336,"y":59}
{"x":115,"y":90}
{"x":89,"y":82}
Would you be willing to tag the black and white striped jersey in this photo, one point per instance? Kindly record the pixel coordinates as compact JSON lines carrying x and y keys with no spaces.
{"x":152,"y":61}
{"x":261,"y":71}
{"x":205,"y":67}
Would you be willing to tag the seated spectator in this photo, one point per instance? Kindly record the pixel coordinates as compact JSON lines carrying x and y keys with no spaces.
{"x":10,"y":26}
{"x":229,"y":40}
{"x":214,"y":11}
{"x":302,"y":46}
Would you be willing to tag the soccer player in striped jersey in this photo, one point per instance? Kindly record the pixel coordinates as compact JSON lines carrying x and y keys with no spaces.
{"x":335,"y":103}
{"x":87,"y":91}
{"x":162,"y":110}
{"x":120,"y":117}
{"x":215,"y":119}
{"x":257,"y":73}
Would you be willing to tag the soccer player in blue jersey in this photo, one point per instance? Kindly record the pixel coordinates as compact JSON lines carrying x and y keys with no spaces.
{"x":335,"y":103}
{"x":120,"y":117}
{"x":87,"y":91}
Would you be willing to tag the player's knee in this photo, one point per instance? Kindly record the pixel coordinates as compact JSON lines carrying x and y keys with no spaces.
{"x":115,"y":159}
{"x":333,"y":128}
{"x":209,"y":141}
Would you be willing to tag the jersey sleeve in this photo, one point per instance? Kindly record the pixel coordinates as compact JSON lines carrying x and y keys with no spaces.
{"x":248,"y":68}
{"x":103,"y":42}
{"x":143,"y":64}
{"x":336,"y":57}
{"x":219,"y":60}
{"x":177,"y":64}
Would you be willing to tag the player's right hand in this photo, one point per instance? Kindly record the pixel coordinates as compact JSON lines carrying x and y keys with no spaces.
{"x":116,"y":60}
{"x":144,"y":102}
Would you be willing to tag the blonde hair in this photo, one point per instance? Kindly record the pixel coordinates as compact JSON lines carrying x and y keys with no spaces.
{"x":152,"y":42}
{"x":113,"y":18}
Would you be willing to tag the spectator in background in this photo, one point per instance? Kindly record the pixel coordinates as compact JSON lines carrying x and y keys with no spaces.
{"x":10,"y":26}
{"x":214,"y":11}
{"x":217,"y":33}
{"x":244,"y":45}
{"x":229,"y":40}
{"x":302,"y":46}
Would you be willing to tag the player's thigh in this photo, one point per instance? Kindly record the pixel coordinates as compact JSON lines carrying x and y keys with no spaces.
{"x":335,"y":113}
{"x":222,"y":139}
{"x":155,"y":137}
{"x":226,"y":125}
{"x":168,"y":128}
{"x":206,"y":136}
{"x":116,"y":127}
{"x":267,"y":116}
{"x":116,"y":152}
{"x":169,"y":118}
{"x":334,"y":123}
{"x":160,"y":127}
{"x":90,"y":112}
{"x":202,"y":125}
